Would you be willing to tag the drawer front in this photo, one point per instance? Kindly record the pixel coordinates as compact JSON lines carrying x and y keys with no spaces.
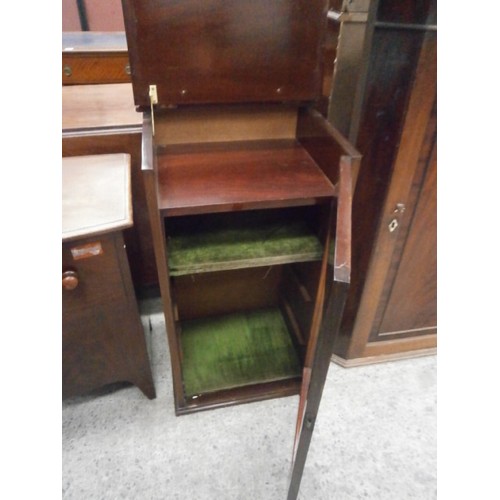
{"x":91,"y":273}
{"x":95,"y":68}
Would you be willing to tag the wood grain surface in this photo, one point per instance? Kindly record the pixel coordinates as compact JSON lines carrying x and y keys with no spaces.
{"x":238,"y":176}
{"x":98,"y":106}
{"x":216,"y":51}
{"x":96,"y":195}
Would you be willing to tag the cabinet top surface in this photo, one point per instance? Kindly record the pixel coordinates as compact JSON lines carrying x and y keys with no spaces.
{"x":96,"y":195}
{"x":225,"y":52}
{"x":103,"y":106}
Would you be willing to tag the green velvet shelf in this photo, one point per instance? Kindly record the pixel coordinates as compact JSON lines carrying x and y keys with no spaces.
{"x":225,"y":242}
{"x":235,"y":350}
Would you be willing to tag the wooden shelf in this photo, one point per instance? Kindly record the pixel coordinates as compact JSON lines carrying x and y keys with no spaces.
{"x":223,"y":177}
{"x":219,"y":242}
{"x":236,"y":350}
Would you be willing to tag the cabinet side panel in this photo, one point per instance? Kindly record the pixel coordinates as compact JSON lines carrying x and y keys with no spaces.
{"x":209,"y":294}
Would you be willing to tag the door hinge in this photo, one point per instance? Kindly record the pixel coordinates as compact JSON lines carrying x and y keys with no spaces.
{"x":153,"y":99}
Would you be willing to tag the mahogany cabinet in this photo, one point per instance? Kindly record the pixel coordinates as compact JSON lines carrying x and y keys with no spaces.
{"x":391,"y":311}
{"x":102,"y":334}
{"x":249,"y":195}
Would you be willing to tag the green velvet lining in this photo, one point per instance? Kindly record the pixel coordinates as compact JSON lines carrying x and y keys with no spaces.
{"x":235,"y":350}
{"x":247,"y":241}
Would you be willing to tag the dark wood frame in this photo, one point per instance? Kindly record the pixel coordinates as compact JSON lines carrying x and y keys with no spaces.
{"x":413,"y":141}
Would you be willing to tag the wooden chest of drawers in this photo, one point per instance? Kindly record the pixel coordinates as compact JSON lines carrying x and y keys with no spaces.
{"x":94,"y":57}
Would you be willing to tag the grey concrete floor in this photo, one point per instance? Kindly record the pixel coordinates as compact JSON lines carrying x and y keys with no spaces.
{"x":375,"y":438}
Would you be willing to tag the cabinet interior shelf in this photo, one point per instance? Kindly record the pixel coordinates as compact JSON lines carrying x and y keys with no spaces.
{"x":225,"y":177}
{"x":219,"y":242}
{"x":235,"y":350}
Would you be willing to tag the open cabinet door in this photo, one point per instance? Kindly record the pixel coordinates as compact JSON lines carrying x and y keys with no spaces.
{"x":332,"y":293}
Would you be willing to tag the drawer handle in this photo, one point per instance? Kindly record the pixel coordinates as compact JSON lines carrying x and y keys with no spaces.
{"x":69,"y":280}
{"x":67,"y":70}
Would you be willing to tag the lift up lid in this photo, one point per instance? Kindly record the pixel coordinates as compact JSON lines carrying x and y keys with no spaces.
{"x":225,"y":51}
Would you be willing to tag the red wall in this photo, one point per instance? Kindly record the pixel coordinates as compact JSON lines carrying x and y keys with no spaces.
{"x":101,"y":15}
{"x":70,"y":19}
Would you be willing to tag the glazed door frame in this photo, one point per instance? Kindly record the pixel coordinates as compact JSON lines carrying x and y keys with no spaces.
{"x":417,"y":138}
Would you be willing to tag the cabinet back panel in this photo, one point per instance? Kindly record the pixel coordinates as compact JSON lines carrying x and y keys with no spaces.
{"x":210,"y":294}
{"x":224,"y":124}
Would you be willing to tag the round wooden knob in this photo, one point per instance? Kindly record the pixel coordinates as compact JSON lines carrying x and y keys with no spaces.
{"x":69,"y":280}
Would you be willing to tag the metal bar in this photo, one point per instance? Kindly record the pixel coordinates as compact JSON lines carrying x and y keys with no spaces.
{"x":82,"y":14}
{"x":347,"y":17}
{"x":402,"y":26}
{"x":334,"y":15}
{"x":413,"y":330}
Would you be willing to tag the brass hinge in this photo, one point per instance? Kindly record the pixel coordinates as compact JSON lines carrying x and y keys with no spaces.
{"x":153,"y":99}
